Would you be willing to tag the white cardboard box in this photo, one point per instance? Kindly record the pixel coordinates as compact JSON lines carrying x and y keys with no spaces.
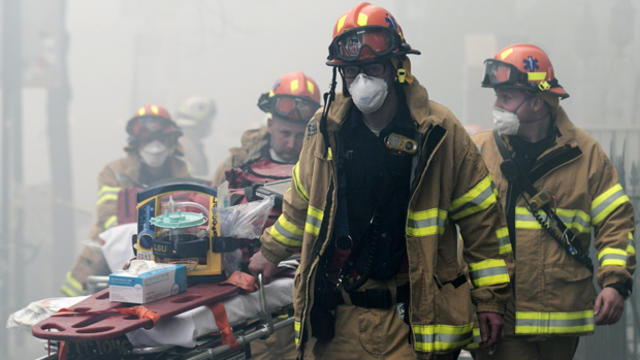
{"x":148,"y":286}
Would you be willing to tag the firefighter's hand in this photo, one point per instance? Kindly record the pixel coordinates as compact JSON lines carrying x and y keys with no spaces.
{"x":490,"y":328}
{"x":609,"y":306}
{"x":260,"y":264}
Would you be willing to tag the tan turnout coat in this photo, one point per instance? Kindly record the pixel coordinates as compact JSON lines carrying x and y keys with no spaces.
{"x":253,"y":143}
{"x":117,"y":175}
{"x":452,"y":187}
{"x":554,"y":293}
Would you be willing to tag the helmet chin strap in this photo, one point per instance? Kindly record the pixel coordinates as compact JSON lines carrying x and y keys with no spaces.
{"x":328,"y":99}
{"x":527,"y":98}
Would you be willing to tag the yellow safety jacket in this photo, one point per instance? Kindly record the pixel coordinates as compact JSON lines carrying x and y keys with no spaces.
{"x":451,"y":186}
{"x":117,"y":175}
{"x":554,"y":293}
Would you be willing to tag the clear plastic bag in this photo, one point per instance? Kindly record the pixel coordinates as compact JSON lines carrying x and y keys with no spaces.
{"x":245,"y":221}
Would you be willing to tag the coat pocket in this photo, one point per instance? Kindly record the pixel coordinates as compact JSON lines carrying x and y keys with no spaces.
{"x":453,"y":304}
{"x":568,"y":288}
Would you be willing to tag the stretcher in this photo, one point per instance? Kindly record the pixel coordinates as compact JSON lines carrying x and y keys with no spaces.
{"x":213,"y":319}
{"x":94,"y":329}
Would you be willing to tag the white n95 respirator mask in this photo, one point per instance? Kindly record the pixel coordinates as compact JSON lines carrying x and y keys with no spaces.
{"x":368,"y":92}
{"x":154,"y":153}
{"x":505,"y":122}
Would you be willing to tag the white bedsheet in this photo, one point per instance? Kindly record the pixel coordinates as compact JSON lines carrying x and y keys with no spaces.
{"x":185,"y":328}
{"x":117,"y":248}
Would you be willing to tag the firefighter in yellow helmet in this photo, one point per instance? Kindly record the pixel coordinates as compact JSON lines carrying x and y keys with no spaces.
{"x":557,"y":186}
{"x":384,"y":177}
{"x":152,"y":155}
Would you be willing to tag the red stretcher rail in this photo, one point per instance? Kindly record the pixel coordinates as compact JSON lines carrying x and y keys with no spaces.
{"x":97,"y":318}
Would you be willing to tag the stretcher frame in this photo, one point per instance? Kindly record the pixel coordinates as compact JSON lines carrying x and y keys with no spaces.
{"x":208,"y":346}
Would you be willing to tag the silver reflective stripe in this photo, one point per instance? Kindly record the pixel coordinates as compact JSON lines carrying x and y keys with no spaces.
{"x":526,"y":217}
{"x":434,"y":221}
{"x":608,"y":201}
{"x":554,"y":323}
{"x":314,"y":220}
{"x":475,"y":274}
{"x":569,"y":221}
{"x":476,"y":336}
{"x":286,"y":233}
{"x":613,"y":257}
{"x":504,"y":240}
{"x":443,"y":338}
{"x":473,"y":202}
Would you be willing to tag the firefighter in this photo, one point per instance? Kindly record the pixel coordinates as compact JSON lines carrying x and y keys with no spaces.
{"x":384,"y":177}
{"x":152,"y":155}
{"x":556,"y":185}
{"x":194,"y":117}
{"x":269,"y":153}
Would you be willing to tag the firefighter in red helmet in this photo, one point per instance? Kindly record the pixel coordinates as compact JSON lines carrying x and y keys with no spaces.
{"x":152,"y":155}
{"x":268,"y":154}
{"x":558,"y":189}
{"x":384,"y":179}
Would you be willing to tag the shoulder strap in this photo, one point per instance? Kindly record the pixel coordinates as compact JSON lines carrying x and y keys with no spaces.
{"x":513,"y":191}
{"x":554,"y":159}
{"x":502,"y":147}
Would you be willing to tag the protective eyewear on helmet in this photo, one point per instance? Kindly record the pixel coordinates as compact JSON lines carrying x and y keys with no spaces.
{"x":377,"y":41}
{"x":373,"y":69}
{"x":498,"y":73}
{"x":150,"y":126}
{"x":293,"y":107}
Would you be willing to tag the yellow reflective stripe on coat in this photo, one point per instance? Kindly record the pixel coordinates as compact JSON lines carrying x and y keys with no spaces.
{"x":430,"y":338}
{"x":106,"y":188}
{"x":295,"y":175}
{"x":314,"y":220}
{"x":488,"y":272}
{"x":480,"y":197}
{"x":612,"y":256}
{"x":605,"y":203}
{"x":477,"y":339}
{"x":286,"y":233}
{"x":112,"y":220}
{"x":65,"y":290}
{"x":426,"y":222}
{"x":72,"y":287}
{"x":107,"y":193}
{"x":631,"y":247}
{"x":532,"y":322}
{"x":73,"y":282}
{"x":574,"y":219}
{"x":503,"y":241}
{"x":296,"y":329}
